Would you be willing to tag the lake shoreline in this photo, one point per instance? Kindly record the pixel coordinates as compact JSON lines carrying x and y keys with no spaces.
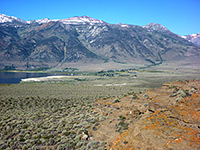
{"x":15,"y":77}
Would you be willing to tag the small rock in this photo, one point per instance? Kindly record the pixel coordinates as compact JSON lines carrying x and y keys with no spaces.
{"x":136,"y":131}
{"x":91,"y":138}
{"x":178,"y":99}
{"x":94,"y":128}
{"x":84,"y":136}
{"x":116,"y":101}
{"x":173,"y":95}
{"x":192,"y":91}
{"x":145,"y":96}
{"x":182,"y":93}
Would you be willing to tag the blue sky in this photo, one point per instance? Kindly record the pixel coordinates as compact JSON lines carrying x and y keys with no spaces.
{"x":179,"y":16}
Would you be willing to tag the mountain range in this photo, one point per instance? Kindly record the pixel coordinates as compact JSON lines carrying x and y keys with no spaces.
{"x":90,"y":44}
{"x":194,"y":38}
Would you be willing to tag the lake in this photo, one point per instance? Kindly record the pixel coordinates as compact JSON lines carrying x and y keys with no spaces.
{"x":15,"y":77}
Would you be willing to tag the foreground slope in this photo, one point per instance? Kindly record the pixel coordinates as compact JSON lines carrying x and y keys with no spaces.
{"x":164,"y":118}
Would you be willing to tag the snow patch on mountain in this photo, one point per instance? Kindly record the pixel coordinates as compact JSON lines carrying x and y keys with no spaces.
{"x":191,"y":36}
{"x":155,"y":26}
{"x":4,"y":18}
{"x":45,"y":20}
{"x":72,"y":20}
{"x":194,"y":38}
{"x":40,"y":21}
{"x":184,"y":36}
{"x":124,"y":25}
{"x":81,"y":20}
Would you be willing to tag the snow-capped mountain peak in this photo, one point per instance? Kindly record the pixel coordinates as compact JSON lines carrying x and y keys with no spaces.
{"x":156,"y":26}
{"x":45,"y":20}
{"x":80,"y":20}
{"x":5,"y":19}
{"x":191,"y":36}
{"x":72,"y":20}
{"x":194,"y":38}
{"x":40,"y":21}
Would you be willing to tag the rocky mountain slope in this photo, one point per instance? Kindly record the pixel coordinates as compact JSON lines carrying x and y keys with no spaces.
{"x":194,"y":38}
{"x":84,"y":40}
{"x":163,"y":118}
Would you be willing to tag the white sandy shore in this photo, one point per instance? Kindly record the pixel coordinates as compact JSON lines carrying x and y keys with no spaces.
{"x":38,"y":79}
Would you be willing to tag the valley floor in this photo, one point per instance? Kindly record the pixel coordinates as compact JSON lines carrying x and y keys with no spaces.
{"x":129,"y":110}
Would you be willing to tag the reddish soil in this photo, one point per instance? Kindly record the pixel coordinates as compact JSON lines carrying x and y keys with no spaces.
{"x":163,"y":118}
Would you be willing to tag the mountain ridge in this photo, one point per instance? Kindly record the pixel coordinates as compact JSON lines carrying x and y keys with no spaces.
{"x":4,"y":18}
{"x":84,"y":40}
{"x":194,"y":38}
{"x":72,"y":20}
{"x":156,"y":26}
